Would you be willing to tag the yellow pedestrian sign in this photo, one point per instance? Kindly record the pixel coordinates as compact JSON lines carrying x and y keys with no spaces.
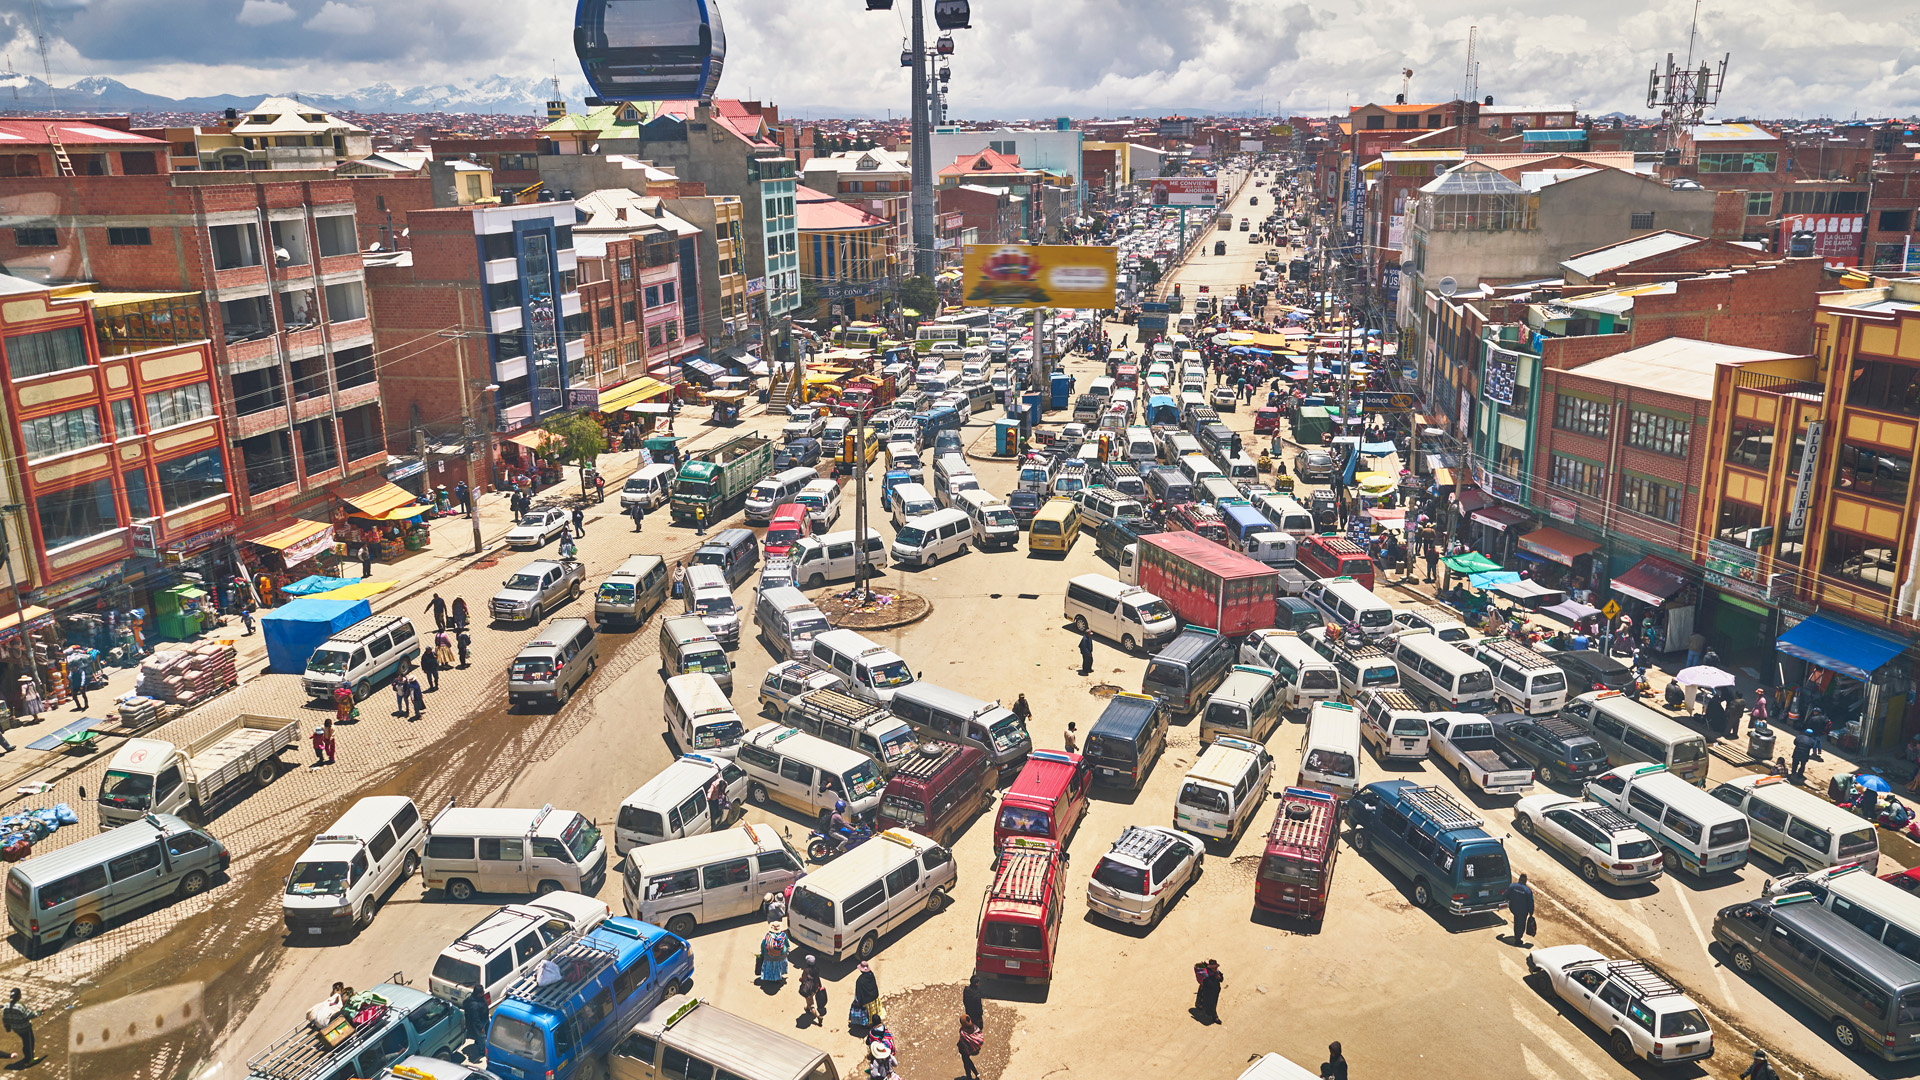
{"x":1612,"y":610}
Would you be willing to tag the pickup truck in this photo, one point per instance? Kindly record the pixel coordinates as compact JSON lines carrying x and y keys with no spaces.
{"x":156,"y":776}
{"x":1466,"y":741}
{"x":536,"y":588}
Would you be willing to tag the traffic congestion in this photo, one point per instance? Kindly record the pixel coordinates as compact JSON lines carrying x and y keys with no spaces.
{"x":978,"y":692}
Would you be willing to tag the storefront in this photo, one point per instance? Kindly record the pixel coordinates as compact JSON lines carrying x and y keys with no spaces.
{"x":1492,"y":531}
{"x":521,"y":461}
{"x":387,"y":519}
{"x":1663,"y":592}
{"x":1559,"y":560}
{"x":1861,"y":680}
{"x":286,"y":553}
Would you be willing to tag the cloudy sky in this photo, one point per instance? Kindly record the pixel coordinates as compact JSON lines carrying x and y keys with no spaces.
{"x":1027,"y":58}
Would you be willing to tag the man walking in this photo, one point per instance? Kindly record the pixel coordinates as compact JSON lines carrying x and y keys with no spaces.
{"x":366,"y":560}
{"x":464,"y":641}
{"x":1805,"y":745}
{"x":439,"y":608}
{"x":1086,"y":652}
{"x":579,"y":522}
{"x":1520,"y":905}
{"x":430,"y":667}
{"x":17,"y":1018}
{"x":419,"y":699}
{"x":638,"y":511}
{"x":77,"y":684}
{"x":474,"y":1009}
{"x":462,"y":498}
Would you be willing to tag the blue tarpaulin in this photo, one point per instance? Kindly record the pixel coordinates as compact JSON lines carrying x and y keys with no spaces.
{"x":294,"y":630}
{"x":1377,"y":448}
{"x":1488,"y":579}
{"x":316,"y":583}
{"x":1836,"y":646}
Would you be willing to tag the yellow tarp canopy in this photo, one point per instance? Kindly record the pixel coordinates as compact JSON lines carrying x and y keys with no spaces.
{"x":291,"y":535}
{"x":629,"y":393}
{"x":359,"y":590}
{"x":381,"y":503}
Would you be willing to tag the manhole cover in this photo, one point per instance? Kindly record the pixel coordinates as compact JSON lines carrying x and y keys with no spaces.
{"x":1104,"y":690}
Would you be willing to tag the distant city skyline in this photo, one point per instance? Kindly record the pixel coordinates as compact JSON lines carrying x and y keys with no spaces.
{"x":1791,"y":58}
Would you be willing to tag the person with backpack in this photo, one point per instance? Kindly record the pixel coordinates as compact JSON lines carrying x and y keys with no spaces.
{"x":773,"y":956}
{"x":972,"y":1039}
{"x":812,"y":991}
{"x":18,"y":1018}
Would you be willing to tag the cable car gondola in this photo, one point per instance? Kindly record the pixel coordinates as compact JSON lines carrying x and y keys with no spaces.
{"x":649,"y":50}
{"x":879,"y":5}
{"x":906,"y":53}
{"x":945,"y":45}
{"x":946,"y":74}
{"x":951,"y":14}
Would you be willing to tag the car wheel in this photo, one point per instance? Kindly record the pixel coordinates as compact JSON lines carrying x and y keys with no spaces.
{"x":1422,"y":893}
{"x":1622,"y":1047}
{"x":1360,"y":842}
{"x":869,"y":945}
{"x":1523,"y":825}
{"x":932,"y":558}
{"x":546,"y":887}
{"x":264,"y":772}
{"x":1845,"y":1034}
{"x":361,"y":690}
{"x":562,"y":694}
{"x":1546,"y":775}
{"x":1743,"y":961}
{"x":1466,"y":778}
{"x":84,"y":927}
{"x":1127,"y":643}
{"x":676,"y":987}
{"x":938,"y":901}
{"x":1080,"y":624}
{"x":816,"y":582}
{"x":758,"y":793}
{"x":459,"y":889}
{"x":681,"y":925}
{"x":411,"y":866}
{"x":1793,"y":867}
{"x":573,"y":592}
{"x":1590,"y":872}
{"x":193,"y":884}
{"x":364,"y":918}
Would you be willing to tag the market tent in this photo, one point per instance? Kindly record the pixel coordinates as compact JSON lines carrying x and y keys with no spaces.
{"x":294,"y":630}
{"x":388,"y":502}
{"x":532,"y":439}
{"x":1471,"y":562}
{"x":1530,"y":593}
{"x":1377,"y":449}
{"x":1572,"y":610}
{"x":357,"y":590}
{"x":1490,"y":578}
{"x":1837,"y":646}
{"x":1650,"y":581}
{"x":316,"y":584}
{"x":1551,"y":543}
{"x":297,"y":542}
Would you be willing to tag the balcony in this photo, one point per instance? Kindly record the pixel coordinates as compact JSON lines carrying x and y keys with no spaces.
{"x":150,"y":322}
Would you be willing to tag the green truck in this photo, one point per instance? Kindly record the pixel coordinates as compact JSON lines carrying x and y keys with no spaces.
{"x":718,"y":480}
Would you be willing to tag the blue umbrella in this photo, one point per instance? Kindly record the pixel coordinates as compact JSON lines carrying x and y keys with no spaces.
{"x":1873,"y":783}
{"x":1240,"y":349}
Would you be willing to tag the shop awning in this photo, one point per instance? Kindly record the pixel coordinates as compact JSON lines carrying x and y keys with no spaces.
{"x":1531,"y":593}
{"x":359,"y":590}
{"x":711,"y":370}
{"x":1444,"y":478}
{"x":654,"y":407}
{"x":1837,"y":646}
{"x":28,"y":618}
{"x":1471,"y":499}
{"x":1651,"y":580}
{"x":1470,"y":562}
{"x":1561,"y":547}
{"x":388,"y":502}
{"x":1499,"y":517}
{"x":297,"y":542}
{"x":735,"y":396}
{"x":627,"y":393}
{"x":532,"y":439}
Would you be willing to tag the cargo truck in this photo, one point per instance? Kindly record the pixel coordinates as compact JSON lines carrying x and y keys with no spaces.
{"x":156,"y":776}
{"x":865,"y":394}
{"x":1206,"y":584}
{"x":718,"y":480}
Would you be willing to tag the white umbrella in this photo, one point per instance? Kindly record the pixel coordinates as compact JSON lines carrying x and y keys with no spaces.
{"x":1710,"y":677}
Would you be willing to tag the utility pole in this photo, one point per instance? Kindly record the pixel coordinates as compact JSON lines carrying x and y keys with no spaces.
{"x":922,"y":152}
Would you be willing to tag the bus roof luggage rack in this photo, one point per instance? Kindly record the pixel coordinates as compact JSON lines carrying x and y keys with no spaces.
{"x":303,"y":1051}
{"x":1646,"y":980}
{"x":579,"y":960}
{"x":1023,"y":874}
{"x":1440,"y":808}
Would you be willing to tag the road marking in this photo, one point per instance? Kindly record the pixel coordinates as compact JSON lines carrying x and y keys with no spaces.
{"x":1544,"y":1031}
{"x":1719,"y":973}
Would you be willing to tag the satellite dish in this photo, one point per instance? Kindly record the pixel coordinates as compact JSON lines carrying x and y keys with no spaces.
{"x":1480,"y":287}
{"x":1448,"y":286}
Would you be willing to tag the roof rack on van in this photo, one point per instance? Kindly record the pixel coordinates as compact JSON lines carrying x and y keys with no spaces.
{"x":1645,"y":979}
{"x":579,"y":960}
{"x":366,"y":628}
{"x":927,"y":760}
{"x":299,"y":1053}
{"x":1023,"y":871}
{"x":1440,"y":808}
{"x":1515,"y":652}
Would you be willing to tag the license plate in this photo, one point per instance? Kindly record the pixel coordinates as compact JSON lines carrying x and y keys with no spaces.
{"x":313,"y":930}
{"x":1012,"y":964}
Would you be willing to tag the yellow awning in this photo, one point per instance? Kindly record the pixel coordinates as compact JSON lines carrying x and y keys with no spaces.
{"x":1444,"y":478}
{"x":359,"y":590}
{"x":628,"y":393}
{"x":293,"y":534}
{"x":532,"y":440}
{"x":380,"y":503}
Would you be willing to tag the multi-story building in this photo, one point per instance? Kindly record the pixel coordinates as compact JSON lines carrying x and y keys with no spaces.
{"x":878,"y":182}
{"x":1895,"y":201}
{"x":278,"y":133}
{"x":844,"y":255}
{"x":640,"y":287}
{"x":274,"y":261}
{"x":993,"y":215}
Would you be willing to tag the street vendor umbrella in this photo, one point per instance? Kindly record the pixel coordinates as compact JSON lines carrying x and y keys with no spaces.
{"x":1221,"y":339}
{"x":1471,"y":562}
{"x":1873,"y":783}
{"x":1239,"y":350}
{"x":1377,"y":449}
{"x":1703,"y":675}
{"x":1490,"y":578}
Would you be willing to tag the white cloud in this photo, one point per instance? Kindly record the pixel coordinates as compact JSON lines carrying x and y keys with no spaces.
{"x":264,"y":13}
{"x":338,"y":18}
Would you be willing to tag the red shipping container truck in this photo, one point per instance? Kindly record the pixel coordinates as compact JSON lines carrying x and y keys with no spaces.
{"x":1206,"y":584}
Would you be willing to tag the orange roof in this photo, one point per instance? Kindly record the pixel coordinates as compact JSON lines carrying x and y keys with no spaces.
{"x":984,"y":161}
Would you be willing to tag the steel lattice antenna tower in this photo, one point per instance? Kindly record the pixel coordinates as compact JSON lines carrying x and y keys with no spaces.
{"x":1684,"y":93}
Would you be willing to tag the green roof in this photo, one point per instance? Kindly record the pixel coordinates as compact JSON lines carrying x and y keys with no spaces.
{"x":605,"y":119}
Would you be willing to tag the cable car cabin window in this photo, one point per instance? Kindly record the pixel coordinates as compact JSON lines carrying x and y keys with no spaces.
{"x":650,"y":50}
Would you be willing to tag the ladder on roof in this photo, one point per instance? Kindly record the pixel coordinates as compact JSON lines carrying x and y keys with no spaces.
{"x":62,"y":163}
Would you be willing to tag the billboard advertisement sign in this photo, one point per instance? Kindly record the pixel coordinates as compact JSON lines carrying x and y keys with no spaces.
{"x":1251,"y":146}
{"x":1183,"y":190}
{"x":1836,"y":237}
{"x":1036,"y":276}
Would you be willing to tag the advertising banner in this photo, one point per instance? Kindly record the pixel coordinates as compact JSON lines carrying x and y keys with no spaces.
{"x":1836,"y":237}
{"x":1036,"y":276}
{"x":1251,"y":146}
{"x":1503,"y":368}
{"x":1183,"y":190}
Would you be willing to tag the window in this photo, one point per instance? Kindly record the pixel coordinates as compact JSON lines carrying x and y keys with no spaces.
{"x":1583,"y":477}
{"x":88,"y":881}
{"x":796,"y":771}
{"x":135,"y":863}
{"x":187,"y":480}
{"x":1580,"y":415}
{"x":1884,"y":384}
{"x":337,"y":233}
{"x":864,"y":901}
{"x":678,"y":1065}
{"x":124,"y":425}
{"x":50,"y":350}
{"x":496,"y":246}
{"x":346,"y":301}
{"x":1375,"y":123}
{"x":1658,"y":432}
{"x":1800,"y":832}
{"x":449,"y":847}
{"x":730,"y":872}
{"x":654,"y":337}
{"x":1641,"y":219}
{"x":36,"y":236}
{"x":1759,"y":203}
{"x":502,"y":850}
{"x":1750,"y":444}
{"x":503,"y":294}
{"x":1895,"y":220}
{"x":902,"y":879}
{"x":74,"y":429}
{"x":76,"y":514}
{"x":180,"y":405}
{"x":653,"y":296}
{"x":235,"y":246}
{"x":1738,"y":162}
{"x":1873,"y":471}
{"x":129,"y":237}
{"x":186,"y":843}
{"x":1652,"y":498}
{"x":1824,"y":202}
{"x":674,"y":884}
{"x":1683,"y":826}
{"x":381,"y":843}
{"x":626,"y":311}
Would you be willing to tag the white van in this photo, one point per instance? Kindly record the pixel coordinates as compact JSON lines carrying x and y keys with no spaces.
{"x":1224,"y":789}
{"x":939,"y":713}
{"x":700,"y":717}
{"x":1523,"y":679}
{"x":1101,"y":388}
{"x":1127,"y":614}
{"x":925,"y":540}
{"x":1276,"y":549}
{"x":820,"y":559}
{"x":1286,"y":514}
{"x":788,"y":622}
{"x":873,"y":673}
{"x":1394,"y":725}
{"x":1305,"y":675}
{"x":674,"y":804}
{"x":822,"y":500}
{"x":340,"y":880}
{"x":706,"y":593}
{"x":1705,"y":835}
{"x":632,"y":592}
{"x":507,"y":944}
{"x":911,"y":501}
{"x":807,"y":773}
{"x":847,"y":904}
{"x":1195,"y":466}
{"x":1446,"y":678}
{"x":782,"y":487}
{"x":361,"y":656}
{"x":1246,"y":705}
{"x":1330,"y":752}
{"x":1140,"y":448}
{"x":681,"y":884}
{"x":1360,"y":667}
{"x":506,"y":850}
{"x":1882,"y":910}
{"x":994,"y":523}
{"x":1345,"y":602}
{"x":1800,"y":830}
{"x":651,"y":487}
{"x":1242,"y":469}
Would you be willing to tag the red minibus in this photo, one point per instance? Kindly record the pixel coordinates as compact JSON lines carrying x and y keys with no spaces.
{"x":1297,"y":866}
{"x":1020,"y":920}
{"x":1046,"y":801}
{"x":1334,"y":556}
{"x":788,"y":526}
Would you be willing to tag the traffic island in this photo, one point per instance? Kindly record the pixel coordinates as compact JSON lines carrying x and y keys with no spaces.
{"x":874,"y":608}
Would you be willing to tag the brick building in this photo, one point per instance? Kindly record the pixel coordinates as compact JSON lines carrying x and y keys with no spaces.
{"x":640,"y":286}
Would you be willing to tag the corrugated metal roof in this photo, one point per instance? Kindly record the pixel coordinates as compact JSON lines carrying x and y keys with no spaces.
{"x":1679,"y":366}
{"x":1733,"y":133}
{"x":1589,"y":263}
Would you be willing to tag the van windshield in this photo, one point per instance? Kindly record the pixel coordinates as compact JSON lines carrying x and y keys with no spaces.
{"x":1120,"y":877}
{"x":537,"y":667}
{"x":1154,"y":610}
{"x":318,"y":879}
{"x":329,"y":661}
{"x":1223,"y":714}
{"x":904,"y":809}
{"x":1384,"y":675}
{"x":1204,"y":797}
{"x":909,"y":535}
{"x":862,"y":780}
{"x":889,"y":674}
{"x":1329,"y":763}
{"x":1008,"y":733}
{"x":716,"y":605}
{"x":812,"y":625}
{"x":580,"y":838}
{"x":616,"y":592}
{"x":517,"y":1038}
{"x":128,"y":791}
{"x":1020,"y":819}
{"x":717,"y":734}
{"x":785,"y":535}
{"x":811,"y":906}
{"x":1000,"y":519}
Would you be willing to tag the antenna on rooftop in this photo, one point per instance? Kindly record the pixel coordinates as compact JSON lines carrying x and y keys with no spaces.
{"x":1406,"y":84}
{"x":1472,"y":90}
{"x":40,"y":42}
{"x":1684,"y":93}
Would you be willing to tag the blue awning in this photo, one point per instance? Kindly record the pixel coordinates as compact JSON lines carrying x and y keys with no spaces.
{"x":1836,"y":646}
{"x":1554,"y":135}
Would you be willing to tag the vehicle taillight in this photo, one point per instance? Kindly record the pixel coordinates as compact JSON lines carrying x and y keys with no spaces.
{"x":33,"y":926}
{"x":836,"y":941}
{"x":1459,"y":898}
{"x":1623,"y":866}
{"x":1656,"y":1050}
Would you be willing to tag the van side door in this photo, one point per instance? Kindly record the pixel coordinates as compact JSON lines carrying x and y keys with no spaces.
{"x":727,"y":888}
{"x":906,"y":892}
{"x":138,"y":877}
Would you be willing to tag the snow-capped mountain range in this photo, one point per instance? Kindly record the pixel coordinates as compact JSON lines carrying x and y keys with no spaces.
{"x":494,"y":94}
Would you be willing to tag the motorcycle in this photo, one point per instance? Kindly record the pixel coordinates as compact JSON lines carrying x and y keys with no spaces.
{"x":823,"y":845}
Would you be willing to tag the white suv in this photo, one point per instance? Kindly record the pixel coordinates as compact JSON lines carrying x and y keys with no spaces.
{"x":508,"y":943}
{"x":1137,"y":880}
{"x":1643,"y":1013}
{"x":1604,"y":843}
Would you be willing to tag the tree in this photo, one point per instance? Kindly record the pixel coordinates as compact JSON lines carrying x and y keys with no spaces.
{"x":917,"y":294}
{"x":577,"y":438}
{"x":1149,"y":273}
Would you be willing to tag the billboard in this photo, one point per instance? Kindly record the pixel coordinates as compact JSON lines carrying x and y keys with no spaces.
{"x":1036,"y":276}
{"x":1183,"y":190}
{"x":1836,"y":237}
{"x":1281,"y":131}
{"x":1251,"y":146}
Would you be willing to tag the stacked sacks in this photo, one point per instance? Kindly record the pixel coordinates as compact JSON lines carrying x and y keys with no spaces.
{"x":189,"y":674}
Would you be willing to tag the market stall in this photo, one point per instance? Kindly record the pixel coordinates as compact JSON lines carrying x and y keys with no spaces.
{"x":387,"y":519}
{"x":524,"y":463}
{"x":289,"y":552}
